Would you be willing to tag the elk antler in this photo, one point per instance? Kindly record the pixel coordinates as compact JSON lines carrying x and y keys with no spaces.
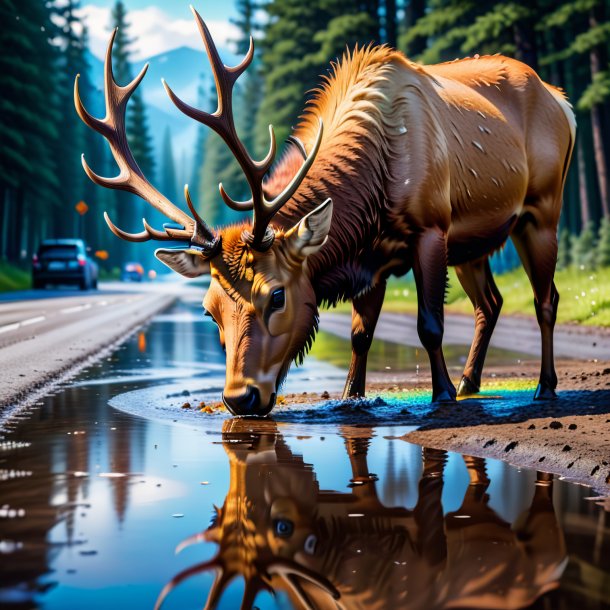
{"x":131,"y":178}
{"x":222,"y":122}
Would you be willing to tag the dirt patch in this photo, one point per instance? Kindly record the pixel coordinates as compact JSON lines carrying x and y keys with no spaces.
{"x":569,"y":437}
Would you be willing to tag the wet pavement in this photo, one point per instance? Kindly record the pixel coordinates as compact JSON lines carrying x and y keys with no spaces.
{"x":95,"y":501}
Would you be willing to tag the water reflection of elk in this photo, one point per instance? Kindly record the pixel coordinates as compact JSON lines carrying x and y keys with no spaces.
{"x":327,"y":549}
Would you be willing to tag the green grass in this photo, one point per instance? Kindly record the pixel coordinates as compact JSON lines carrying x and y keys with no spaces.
{"x":584,"y":295}
{"x":13,"y":278}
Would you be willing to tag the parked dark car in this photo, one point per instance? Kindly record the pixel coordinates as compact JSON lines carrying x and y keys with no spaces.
{"x":132,"y":272}
{"x":63,"y":261}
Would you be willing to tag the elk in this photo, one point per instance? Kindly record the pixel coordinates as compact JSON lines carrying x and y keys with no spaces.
{"x":394,"y":167}
{"x":326,"y":549}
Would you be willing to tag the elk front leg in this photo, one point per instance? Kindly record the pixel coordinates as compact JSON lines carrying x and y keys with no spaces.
{"x":430,"y":271}
{"x":365,"y":313}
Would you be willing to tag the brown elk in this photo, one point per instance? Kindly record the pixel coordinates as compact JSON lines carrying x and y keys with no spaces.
{"x":417,"y":167}
{"x":325,"y":549}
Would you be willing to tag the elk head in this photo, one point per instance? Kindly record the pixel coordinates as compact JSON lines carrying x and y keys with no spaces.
{"x":259,"y":295}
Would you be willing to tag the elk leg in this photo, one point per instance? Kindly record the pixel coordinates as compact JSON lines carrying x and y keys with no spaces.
{"x":365,"y":312}
{"x":537,"y":249}
{"x":478,"y":283}
{"x":431,"y":539}
{"x":430,"y":271}
{"x":357,"y":450}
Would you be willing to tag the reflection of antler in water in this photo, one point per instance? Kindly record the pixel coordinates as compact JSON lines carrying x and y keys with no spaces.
{"x":279,"y":531}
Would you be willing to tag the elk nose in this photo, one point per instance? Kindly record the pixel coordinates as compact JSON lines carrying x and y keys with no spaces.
{"x":248,"y":403}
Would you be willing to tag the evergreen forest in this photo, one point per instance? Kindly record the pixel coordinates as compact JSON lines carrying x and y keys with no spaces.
{"x":43,"y":45}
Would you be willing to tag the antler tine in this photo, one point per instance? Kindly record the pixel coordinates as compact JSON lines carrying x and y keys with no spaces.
{"x":89,"y":120}
{"x":294,"y":184}
{"x":148,"y":233}
{"x":217,"y":589}
{"x":214,"y":563}
{"x":288,"y":567}
{"x":136,"y":237}
{"x":203,"y":225}
{"x":265,"y":210}
{"x":245,"y":62}
{"x":130,"y":177}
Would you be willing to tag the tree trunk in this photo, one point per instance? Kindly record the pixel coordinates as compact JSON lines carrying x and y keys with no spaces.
{"x":525,"y":40}
{"x":585,"y":217}
{"x":390,"y":22}
{"x":414,"y":10}
{"x":596,"y":127}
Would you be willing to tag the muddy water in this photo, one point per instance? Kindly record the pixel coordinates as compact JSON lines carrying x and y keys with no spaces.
{"x":95,"y":501}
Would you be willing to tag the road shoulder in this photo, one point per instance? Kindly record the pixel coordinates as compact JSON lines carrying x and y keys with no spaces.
{"x":34,"y":365}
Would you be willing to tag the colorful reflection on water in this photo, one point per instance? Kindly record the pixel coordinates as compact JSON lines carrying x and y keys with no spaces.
{"x":95,"y":502}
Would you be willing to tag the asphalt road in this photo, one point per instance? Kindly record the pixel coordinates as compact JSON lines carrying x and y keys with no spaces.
{"x":518,"y":334}
{"x":44,"y":334}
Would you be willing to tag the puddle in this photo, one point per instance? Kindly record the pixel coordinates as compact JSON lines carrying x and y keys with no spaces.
{"x":385,"y":356}
{"x":94,"y":503}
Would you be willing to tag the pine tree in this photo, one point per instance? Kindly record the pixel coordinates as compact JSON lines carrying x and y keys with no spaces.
{"x":71,"y":143}
{"x":589,"y":30}
{"x":603,"y":244}
{"x":251,"y":85}
{"x":130,"y":209}
{"x":168,"y":168}
{"x":584,"y":248}
{"x":444,"y":26}
{"x":300,"y":40}
{"x":202,"y":134}
{"x":565,"y":245}
{"x":29,"y":116}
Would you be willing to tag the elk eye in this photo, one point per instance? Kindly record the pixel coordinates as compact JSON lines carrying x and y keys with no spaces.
{"x":310,"y":544}
{"x":283,"y":528}
{"x":278,"y":299}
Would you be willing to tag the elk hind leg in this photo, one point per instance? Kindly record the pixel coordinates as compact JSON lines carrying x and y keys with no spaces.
{"x":537,"y":248}
{"x":478,"y":283}
{"x":365,"y":313}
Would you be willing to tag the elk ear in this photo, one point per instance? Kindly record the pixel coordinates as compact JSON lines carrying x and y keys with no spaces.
{"x":310,"y":233}
{"x":188,"y":263}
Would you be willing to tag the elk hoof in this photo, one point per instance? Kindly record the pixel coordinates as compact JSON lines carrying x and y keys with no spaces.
{"x":544,"y":392}
{"x":467,"y":387}
{"x":444,"y":397}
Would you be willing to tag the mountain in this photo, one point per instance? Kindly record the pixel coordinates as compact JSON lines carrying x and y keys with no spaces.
{"x":181,"y":68}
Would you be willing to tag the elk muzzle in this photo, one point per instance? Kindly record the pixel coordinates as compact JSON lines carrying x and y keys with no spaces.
{"x":248,"y":403}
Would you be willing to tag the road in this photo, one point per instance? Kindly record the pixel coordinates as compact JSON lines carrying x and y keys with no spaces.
{"x":518,"y":334}
{"x":44,"y":334}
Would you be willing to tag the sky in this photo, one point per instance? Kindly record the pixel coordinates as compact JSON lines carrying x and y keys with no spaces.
{"x":160,"y":26}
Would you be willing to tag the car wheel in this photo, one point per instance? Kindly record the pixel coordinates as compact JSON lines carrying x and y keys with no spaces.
{"x":37,"y":284}
{"x":84,"y":284}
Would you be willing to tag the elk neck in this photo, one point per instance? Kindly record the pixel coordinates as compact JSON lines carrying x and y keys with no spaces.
{"x":351,"y":168}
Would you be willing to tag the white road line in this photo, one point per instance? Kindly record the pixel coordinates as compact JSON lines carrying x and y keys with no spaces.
{"x":76,"y":309}
{"x":102,"y":303}
{"x":16,"y":325}
{"x":33,"y":320}
{"x":5,"y":329}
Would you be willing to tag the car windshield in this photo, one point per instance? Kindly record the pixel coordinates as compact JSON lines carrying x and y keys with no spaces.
{"x":54,"y":252}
